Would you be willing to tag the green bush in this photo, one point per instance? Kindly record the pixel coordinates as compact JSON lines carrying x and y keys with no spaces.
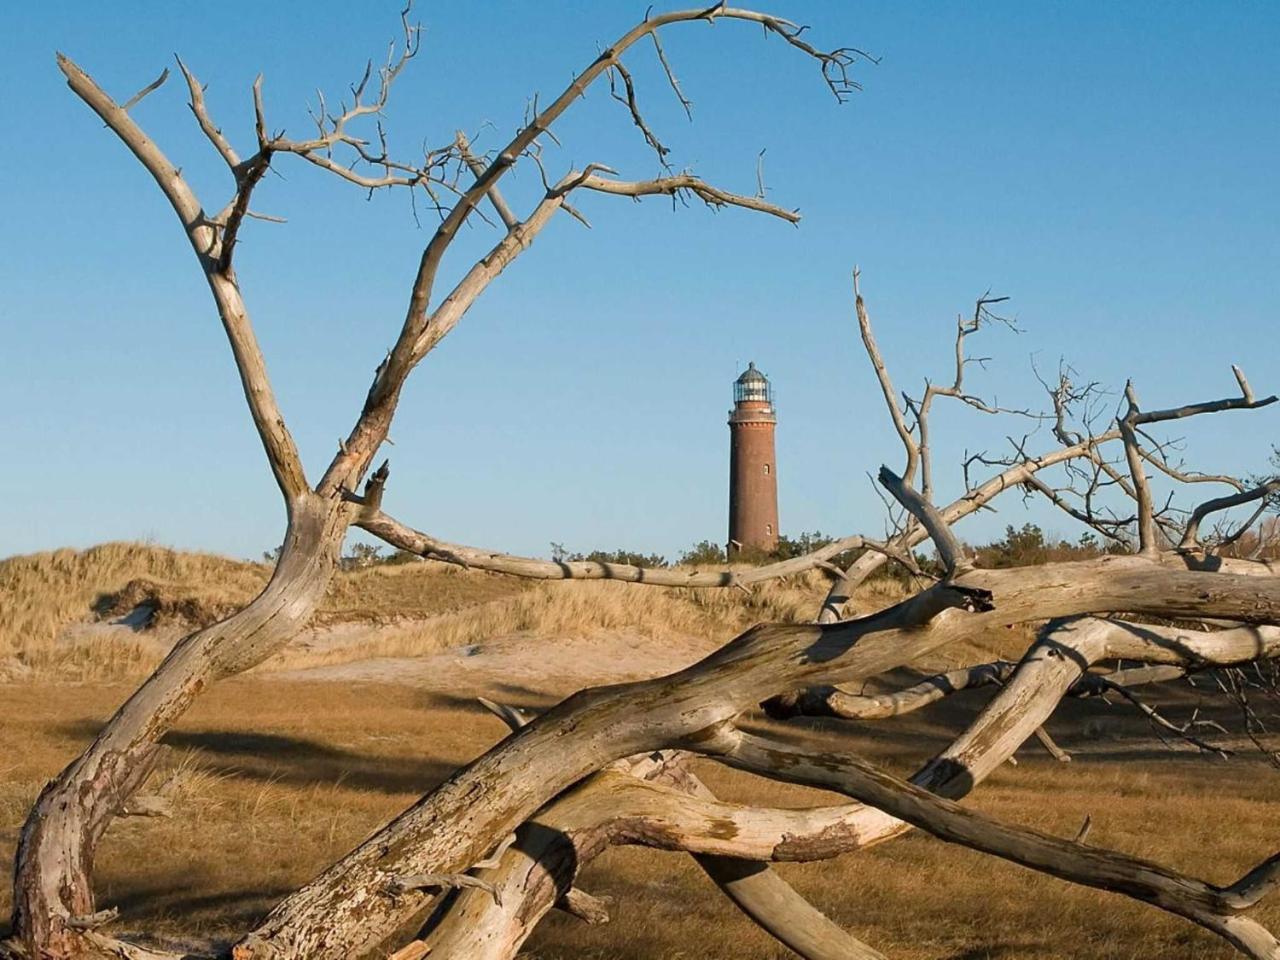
{"x":703,"y":553}
{"x":1021,"y":546}
{"x":1028,"y":546}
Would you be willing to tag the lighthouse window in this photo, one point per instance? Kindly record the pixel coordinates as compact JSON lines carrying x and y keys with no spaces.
{"x":766,"y":469}
{"x":768,"y":529}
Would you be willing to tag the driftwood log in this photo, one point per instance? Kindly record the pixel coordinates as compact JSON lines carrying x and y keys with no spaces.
{"x":477,"y":862}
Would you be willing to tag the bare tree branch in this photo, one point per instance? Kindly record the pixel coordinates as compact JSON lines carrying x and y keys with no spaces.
{"x":1246,"y":402}
{"x":207,"y":126}
{"x":678,"y":184}
{"x":628,"y":99}
{"x":149,"y":88}
{"x":1214,"y":908}
{"x":476,"y":166}
{"x":982,"y":314}
{"x":685,"y":102}
{"x":282,"y":452}
{"x":970,"y":502}
{"x":886,"y":383}
{"x":405,"y":538}
{"x":422,"y":329}
{"x":1191,"y":533}
{"x":1107,"y":527}
{"x":949,"y":549}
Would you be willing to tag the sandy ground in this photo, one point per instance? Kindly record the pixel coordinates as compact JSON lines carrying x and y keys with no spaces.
{"x":549,"y":666}
{"x":556,"y":666}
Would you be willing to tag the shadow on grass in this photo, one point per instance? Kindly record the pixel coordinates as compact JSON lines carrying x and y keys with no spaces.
{"x":230,"y":910}
{"x":511,"y":694}
{"x":300,"y":761}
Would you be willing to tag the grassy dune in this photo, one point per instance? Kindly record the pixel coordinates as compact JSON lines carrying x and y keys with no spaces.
{"x":43,"y":594}
{"x":423,"y":608}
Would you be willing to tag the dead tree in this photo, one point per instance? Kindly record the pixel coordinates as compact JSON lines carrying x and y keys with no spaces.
{"x":505,"y":835}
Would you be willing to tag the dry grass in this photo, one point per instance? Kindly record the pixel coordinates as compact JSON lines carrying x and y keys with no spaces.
{"x":544,"y":610}
{"x":556,"y":609}
{"x":42,"y":594}
{"x":270,"y":788}
{"x":271,"y":780}
{"x":418,"y":609}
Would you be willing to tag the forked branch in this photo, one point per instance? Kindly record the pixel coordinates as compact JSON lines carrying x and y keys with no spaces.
{"x":1191,"y":533}
{"x":282,"y":452}
{"x":423,"y":328}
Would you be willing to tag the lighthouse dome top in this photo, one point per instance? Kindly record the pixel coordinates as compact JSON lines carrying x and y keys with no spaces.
{"x":752,"y":386}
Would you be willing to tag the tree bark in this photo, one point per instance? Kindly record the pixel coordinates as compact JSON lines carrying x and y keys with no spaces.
{"x":669,"y":809}
{"x":54,"y":863}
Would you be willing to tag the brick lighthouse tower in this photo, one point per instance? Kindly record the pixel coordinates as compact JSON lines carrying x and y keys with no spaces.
{"x":753,"y":475}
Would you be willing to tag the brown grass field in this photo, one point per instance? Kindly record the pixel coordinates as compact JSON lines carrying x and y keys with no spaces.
{"x":274,"y":775}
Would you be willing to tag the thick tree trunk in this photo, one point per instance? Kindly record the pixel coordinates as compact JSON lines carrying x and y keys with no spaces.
{"x":734,"y":843}
{"x":54,"y":863}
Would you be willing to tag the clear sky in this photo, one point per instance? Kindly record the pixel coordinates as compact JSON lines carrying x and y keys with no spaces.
{"x":1110,"y":166}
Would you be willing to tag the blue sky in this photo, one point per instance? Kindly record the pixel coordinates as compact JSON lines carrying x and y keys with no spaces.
{"x":1110,"y":166}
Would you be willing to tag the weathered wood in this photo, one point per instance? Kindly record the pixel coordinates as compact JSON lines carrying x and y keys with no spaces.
{"x":731,"y":836}
{"x":583,"y":776}
{"x":841,"y":592}
{"x":406,"y":538}
{"x":1214,"y":908}
{"x":591,"y":910}
{"x":53,"y":880}
{"x":282,"y":452}
{"x":835,"y":702}
{"x":654,"y":801}
{"x":669,"y":810}
{"x":773,"y":904}
{"x":342,"y":911}
{"x":939,"y":531}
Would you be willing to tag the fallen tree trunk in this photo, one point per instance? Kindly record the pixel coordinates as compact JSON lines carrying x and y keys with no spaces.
{"x":734,"y":843}
{"x":344,"y":911}
{"x":664,"y":807}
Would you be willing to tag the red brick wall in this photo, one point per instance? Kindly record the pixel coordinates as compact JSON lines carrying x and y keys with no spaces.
{"x":753,"y":478}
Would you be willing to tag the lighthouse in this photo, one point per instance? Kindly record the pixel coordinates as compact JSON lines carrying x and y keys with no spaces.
{"x":753,"y":474}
